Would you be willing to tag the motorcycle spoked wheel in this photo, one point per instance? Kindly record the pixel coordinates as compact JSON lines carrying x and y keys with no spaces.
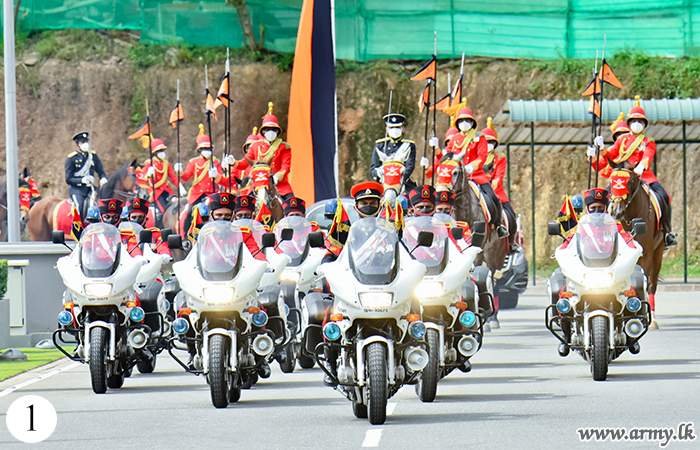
{"x":600,"y":348}
{"x":376,"y":367}
{"x":220,"y":382}
{"x":427,"y":384}
{"x":98,"y":359}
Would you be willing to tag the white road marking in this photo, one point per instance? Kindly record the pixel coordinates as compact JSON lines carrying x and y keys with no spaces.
{"x":390,"y":408}
{"x":39,"y":378}
{"x":372,"y":438}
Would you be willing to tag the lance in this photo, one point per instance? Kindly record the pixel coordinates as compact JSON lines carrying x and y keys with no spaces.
{"x":208,"y":113}
{"x":432,"y":180}
{"x":425,"y":139}
{"x":227,"y":131}
{"x":593,"y":124}
{"x":150,"y":133}
{"x":600,"y":125}
{"x":177,"y":127}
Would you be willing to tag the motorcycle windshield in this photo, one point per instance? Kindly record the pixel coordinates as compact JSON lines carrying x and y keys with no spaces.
{"x":255,"y":227}
{"x":99,"y":250}
{"x":446,"y":219}
{"x":373,"y":246}
{"x":434,"y":257}
{"x":295,"y":248}
{"x":597,"y":239}
{"x":218,"y":250}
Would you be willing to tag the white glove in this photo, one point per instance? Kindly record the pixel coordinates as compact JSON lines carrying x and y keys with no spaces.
{"x":275,"y":178}
{"x":468,"y":168}
{"x":378,"y":172}
{"x":591,"y":151}
{"x":183,"y":191}
{"x":213,"y":173}
{"x":434,"y":142}
{"x":639,"y":170}
{"x":103,"y":181}
{"x":87,"y":179}
{"x":599,"y":142}
{"x":424,"y":162}
{"x":151,"y":171}
{"x":230,"y":160}
{"x":177,"y":167}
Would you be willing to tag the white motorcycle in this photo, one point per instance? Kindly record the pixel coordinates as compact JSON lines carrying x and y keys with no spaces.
{"x":374,"y":336}
{"x":598,"y":306}
{"x":305,"y":251}
{"x":101,"y":310}
{"x":454,"y":325}
{"x":222,"y":318}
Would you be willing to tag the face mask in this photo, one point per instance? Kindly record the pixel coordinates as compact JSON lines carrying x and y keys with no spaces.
{"x":85,"y":146}
{"x":491,"y":146}
{"x":465,"y":125}
{"x":637,"y":127}
{"x":206,"y":154}
{"x":368,"y":210}
{"x":161,"y":155}
{"x":270,"y":135}
{"x":394,"y":132}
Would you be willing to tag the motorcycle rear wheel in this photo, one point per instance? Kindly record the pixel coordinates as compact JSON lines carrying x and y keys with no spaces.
{"x":427,"y":385}
{"x":289,"y":359}
{"x":376,"y":366}
{"x":600,"y":348}
{"x":98,"y":363}
{"x":218,"y":370}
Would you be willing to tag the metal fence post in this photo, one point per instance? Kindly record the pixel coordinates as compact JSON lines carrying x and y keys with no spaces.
{"x":685,"y":213}
{"x":532,"y":185}
{"x":508,"y":168}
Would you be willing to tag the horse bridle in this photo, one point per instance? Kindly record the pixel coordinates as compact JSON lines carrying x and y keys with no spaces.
{"x":628,"y":200}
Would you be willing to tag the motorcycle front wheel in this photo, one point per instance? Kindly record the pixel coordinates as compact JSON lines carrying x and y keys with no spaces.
{"x":98,"y":363}
{"x":289,"y":359}
{"x":218,"y":370}
{"x":376,"y":366}
{"x":427,"y":385}
{"x":600,"y":348}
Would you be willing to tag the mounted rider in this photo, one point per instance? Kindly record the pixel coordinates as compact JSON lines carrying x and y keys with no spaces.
{"x":472,"y":149}
{"x":80,"y":168}
{"x":394,"y":146}
{"x":159,"y":172}
{"x":637,"y":151}
{"x":439,"y":153}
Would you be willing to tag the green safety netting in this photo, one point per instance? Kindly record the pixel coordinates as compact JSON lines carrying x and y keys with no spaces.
{"x":376,"y":29}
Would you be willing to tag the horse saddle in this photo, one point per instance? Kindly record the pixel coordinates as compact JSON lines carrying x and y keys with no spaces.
{"x":655,"y":203}
{"x":487,"y":205}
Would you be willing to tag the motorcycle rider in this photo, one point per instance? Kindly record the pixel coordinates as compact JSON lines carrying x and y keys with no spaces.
{"x":110,"y":212}
{"x":80,"y":168}
{"x":137,"y":211}
{"x":391,"y":145}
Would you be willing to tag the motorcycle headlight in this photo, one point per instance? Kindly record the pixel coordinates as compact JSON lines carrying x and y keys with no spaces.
{"x":598,"y":280}
{"x":428,"y":290}
{"x":218,"y":295}
{"x":65,"y":317}
{"x":467,"y":318}
{"x":260,"y":318}
{"x":137,"y":314}
{"x":331,"y":331}
{"x":290,"y":275}
{"x":563,"y":306}
{"x":181,"y":325}
{"x":633,"y":304}
{"x":98,"y":290}
{"x":376,"y":299}
{"x":417,"y":329}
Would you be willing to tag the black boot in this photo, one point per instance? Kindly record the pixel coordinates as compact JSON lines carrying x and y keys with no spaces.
{"x":563,"y":349}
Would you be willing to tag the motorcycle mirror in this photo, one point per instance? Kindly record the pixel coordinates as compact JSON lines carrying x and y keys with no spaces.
{"x":553,"y":229}
{"x":145,"y":236}
{"x":165,"y":232}
{"x":268,"y":239}
{"x":174,"y":241}
{"x":478,"y":239}
{"x":425,"y":239}
{"x":479,"y":227}
{"x":58,"y":237}
{"x":639,"y":228}
{"x":316,"y":239}
{"x":457,"y":233}
{"x":287,"y":234}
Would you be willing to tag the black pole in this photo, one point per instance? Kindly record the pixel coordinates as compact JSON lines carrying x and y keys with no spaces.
{"x":425,"y":145}
{"x":211,"y":156}
{"x":532,"y":185}
{"x":590,"y":162}
{"x":228,"y":133}
{"x":685,"y":213}
{"x":177,"y":127}
{"x":432,"y":179}
{"x":153,"y":184}
{"x":508,"y":166}
{"x":600,"y":129}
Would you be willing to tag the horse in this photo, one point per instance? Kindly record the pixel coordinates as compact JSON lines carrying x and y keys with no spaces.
{"x":468,"y":209}
{"x":630,"y":199}
{"x":120,"y":185}
{"x":265,"y":192}
{"x":23,"y":214}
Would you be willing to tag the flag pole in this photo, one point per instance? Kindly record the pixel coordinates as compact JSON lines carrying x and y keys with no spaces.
{"x":432,"y":180}
{"x":593,"y":124}
{"x":208,"y":113}
{"x":600,"y":124}
{"x":228,"y":118}
{"x":177,"y":127}
{"x":425,"y":140}
{"x":153,"y":183}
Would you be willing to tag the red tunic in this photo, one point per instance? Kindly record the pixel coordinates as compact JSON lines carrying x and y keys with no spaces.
{"x":198,"y":169}
{"x":498,"y":171}
{"x":644,"y":153}
{"x":279,"y":165}
{"x":476,"y":153}
{"x":160,"y":179}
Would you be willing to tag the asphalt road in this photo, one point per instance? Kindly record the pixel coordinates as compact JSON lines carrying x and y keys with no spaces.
{"x":520,"y":394}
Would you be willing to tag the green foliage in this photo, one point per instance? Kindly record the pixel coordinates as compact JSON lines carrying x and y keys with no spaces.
{"x":3,"y":277}
{"x":35,"y":358}
{"x":47,"y":45}
{"x":673,"y":267}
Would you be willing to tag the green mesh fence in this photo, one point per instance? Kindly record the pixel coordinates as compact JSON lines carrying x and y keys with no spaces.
{"x":377,"y":29}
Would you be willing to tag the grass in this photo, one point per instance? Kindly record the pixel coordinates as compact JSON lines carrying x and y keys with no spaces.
{"x":35,"y":358}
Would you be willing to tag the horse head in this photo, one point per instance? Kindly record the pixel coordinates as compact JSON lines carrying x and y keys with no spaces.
{"x":624,"y":185}
{"x":261,"y":182}
{"x":448,"y":172}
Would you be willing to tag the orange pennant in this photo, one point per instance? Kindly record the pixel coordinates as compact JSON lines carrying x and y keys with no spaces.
{"x":593,"y":87}
{"x":222,"y":95}
{"x":608,"y":76}
{"x":443,"y":103}
{"x":424,"y":99}
{"x":144,"y":130}
{"x":211,"y":106}
{"x":177,"y":115}
{"x":427,"y":71}
{"x":457,"y":92}
{"x":594,"y":107}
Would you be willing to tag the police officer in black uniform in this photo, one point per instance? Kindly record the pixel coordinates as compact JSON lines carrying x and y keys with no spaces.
{"x":392,"y":144}
{"x":81,"y":165}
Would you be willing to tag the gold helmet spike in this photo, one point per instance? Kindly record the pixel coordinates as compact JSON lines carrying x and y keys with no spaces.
{"x":201,"y":131}
{"x":618,"y":120}
{"x":489,"y":124}
{"x":452,"y":122}
{"x":255,"y":130}
{"x":636,"y":100}
{"x":269,"y":108}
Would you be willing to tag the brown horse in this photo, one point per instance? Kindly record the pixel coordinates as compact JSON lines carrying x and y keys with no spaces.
{"x":120,"y":185}
{"x":23,"y":214}
{"x":629,"y":200}
{"x":468,"y":209}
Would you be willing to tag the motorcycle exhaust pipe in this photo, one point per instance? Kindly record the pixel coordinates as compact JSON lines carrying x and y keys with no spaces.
{"x":634,"y":328}
{"x":137,"y":339}
{"x":468,"y":346}
{"x":263,"y":345}
{"x":416,"y":358}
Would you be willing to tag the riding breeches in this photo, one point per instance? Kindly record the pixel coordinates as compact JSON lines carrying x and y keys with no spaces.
{"x":496,"y":214}
{"x":665,"y":204}
{"x":80,"y":196}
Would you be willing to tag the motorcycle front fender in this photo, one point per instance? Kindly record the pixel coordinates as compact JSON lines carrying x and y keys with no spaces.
{"x":360,"y":354}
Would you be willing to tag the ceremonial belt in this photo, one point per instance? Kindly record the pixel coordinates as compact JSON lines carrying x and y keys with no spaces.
{"x":162,"y":181}
{"x":272,"y":149}
{"x":468,"y":138}
{"x":203,"y":174}
{"x":625,"y":154}
{"x":490,"y":157}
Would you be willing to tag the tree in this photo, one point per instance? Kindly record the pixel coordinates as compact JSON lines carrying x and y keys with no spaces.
{"x":246,"y":26}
